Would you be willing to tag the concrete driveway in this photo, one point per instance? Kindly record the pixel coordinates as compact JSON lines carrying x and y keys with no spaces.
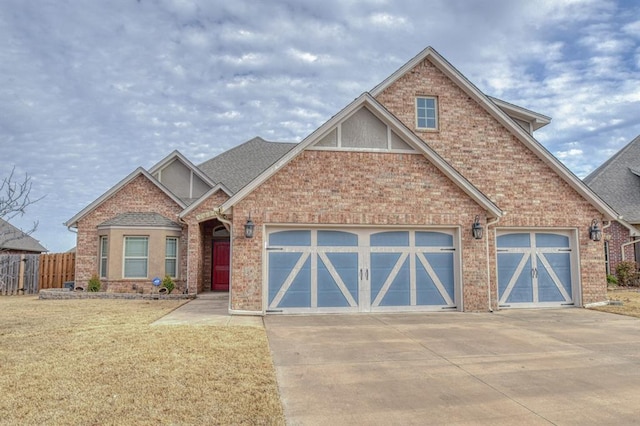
{"x":564,"y":367}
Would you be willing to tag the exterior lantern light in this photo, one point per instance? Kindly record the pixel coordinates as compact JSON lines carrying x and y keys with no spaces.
{"x":248,"y":228}
{"x":476,"y":229}
{"x":595,"y":233}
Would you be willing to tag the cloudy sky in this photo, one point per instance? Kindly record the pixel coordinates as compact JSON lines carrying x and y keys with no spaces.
{"x":90,"y":90}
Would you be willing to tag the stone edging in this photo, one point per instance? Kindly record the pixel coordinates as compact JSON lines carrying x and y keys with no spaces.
{"x":59,"y":293}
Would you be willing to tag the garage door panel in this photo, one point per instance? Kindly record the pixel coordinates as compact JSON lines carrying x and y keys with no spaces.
{"x":551,"y":240}
{"x":281,"y":266}
{"x":298,"y":293}
{"x":427,"y":292}
{"x":439,"y":270}
{"x":392,"y":282}
{"x":390,"y":239}
{"x":338,"y":280}
{"x":290,"y":238}
{"x":554,"y":277}
{"x":514,"y":240}
{"x":337,"y":239}
{"x":433,"y":239}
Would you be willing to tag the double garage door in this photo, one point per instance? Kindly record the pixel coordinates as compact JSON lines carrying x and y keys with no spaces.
{"x":335,"y":270}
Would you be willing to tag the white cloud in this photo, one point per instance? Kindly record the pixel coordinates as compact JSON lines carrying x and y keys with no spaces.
{"x":92,"y":90}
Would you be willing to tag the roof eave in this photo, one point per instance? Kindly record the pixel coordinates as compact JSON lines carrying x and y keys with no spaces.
{"x":72,"y":223}
{"x":367,"y":100}
{"x":194,"y":205}
{"x":483,"y":100}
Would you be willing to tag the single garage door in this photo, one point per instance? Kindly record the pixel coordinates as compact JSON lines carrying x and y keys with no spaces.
{"x":329,"y":270}
{"x":535,"y":269}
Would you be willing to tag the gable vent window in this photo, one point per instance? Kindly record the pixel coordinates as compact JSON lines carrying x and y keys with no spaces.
{"x":426,"y":113}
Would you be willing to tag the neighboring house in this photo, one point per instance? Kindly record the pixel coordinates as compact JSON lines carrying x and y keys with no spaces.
{"x":617,"y":182}
{"x":14,"y":241}
{"x":378,"y":209}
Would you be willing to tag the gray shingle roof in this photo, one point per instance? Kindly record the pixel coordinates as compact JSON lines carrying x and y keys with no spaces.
{"x":616,"y":181}
{"x":240,"y":165}
{"x":141,"y":220}
{"x":11,"y":238}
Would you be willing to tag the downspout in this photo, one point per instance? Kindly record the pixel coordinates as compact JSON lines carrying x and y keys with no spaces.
{"x":493,"y":222}
{"x":622,"y":246}
{"x":186,"y":290}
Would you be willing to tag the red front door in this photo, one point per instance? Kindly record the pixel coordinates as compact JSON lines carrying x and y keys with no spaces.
{"x":220,"y":272}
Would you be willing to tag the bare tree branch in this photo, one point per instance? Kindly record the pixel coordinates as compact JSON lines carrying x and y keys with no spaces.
{"x":15,"y":198}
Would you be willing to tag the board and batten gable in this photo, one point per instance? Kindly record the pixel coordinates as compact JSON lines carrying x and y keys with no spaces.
{"x":490,"y":156}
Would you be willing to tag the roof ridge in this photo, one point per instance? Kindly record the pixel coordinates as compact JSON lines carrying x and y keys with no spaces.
{"x":595,"y":174}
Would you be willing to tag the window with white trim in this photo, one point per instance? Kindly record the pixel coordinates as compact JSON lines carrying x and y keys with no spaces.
{"x":171,"y":257}
{"x":426,"y":113}
{"x":136,"y":257}
{"x":104,"y":256}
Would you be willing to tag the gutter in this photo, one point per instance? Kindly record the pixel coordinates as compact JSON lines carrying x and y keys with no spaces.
{"x":493,"y":222}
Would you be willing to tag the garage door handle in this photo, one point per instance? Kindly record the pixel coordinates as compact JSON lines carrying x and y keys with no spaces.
{"x":366,"y":273}
{"x":360,"y":274}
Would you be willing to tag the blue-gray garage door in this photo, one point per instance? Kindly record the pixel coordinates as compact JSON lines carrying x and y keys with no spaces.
{"x":318,"y":270}
{"x":535,"y":269}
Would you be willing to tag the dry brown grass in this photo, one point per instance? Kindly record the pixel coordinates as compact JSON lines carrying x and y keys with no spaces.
{"x":630,"y":303}
{"x":99,"y":362}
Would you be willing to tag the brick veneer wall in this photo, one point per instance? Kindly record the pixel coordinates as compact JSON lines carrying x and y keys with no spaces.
{"x":200,"y":239}
{"x":617,"y":235}
{"x":354,"y":188}
{"x":512,"y":176}
{"x":139,"y":195}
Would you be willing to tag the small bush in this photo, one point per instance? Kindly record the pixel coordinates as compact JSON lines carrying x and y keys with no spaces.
{"x":94,"y":284}
{"x":612,"y":280}
{"x":168,"y":283}
{"x":627,"y":273}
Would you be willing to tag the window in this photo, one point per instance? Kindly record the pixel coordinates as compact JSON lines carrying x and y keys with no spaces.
{"x":104,"y":253}
{"x":136,"y":254}
{"x":171,"y":257}
{"x":426,"y":113}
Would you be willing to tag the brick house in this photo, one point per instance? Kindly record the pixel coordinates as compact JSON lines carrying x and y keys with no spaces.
{"x":617,"y":182}
{"x":379,"y":209}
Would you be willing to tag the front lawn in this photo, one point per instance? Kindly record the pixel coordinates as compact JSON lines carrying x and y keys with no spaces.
{"x":100,"y":362}
{"x":629,"y":299}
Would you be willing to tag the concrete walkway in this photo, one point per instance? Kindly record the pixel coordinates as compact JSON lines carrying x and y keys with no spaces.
{"x":541,"y":367}
{"x":208,"y":309}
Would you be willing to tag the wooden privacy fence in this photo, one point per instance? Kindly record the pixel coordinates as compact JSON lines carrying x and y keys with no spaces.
{"x":56,"y":269}
{"x":19,"y":274}
{"x":29,"y":273}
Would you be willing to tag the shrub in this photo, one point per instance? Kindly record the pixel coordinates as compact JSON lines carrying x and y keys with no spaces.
{"x":612,"y":280}
{"x":94,"y":283}
{"x":627,"y":273}
{"x":168,"y":283}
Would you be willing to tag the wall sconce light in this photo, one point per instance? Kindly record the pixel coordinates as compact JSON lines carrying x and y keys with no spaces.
{"x":595,"y":233}
{"x":476,"y":228}
{"x":248,"y":228}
